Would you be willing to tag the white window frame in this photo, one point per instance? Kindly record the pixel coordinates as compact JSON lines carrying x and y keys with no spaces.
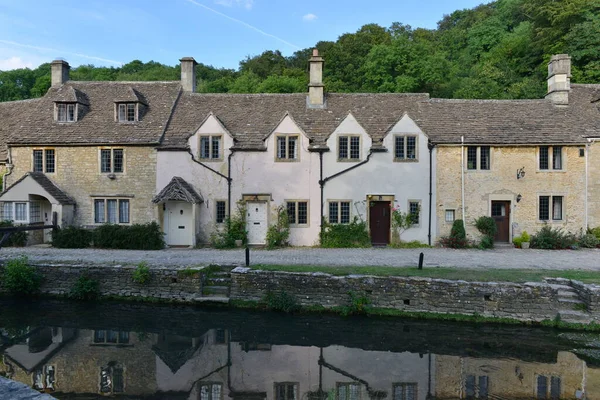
{"x":66,"y":105}
{"x":297,"y":201}
{"x":112,"y":160}
{"x":126,"y":109}
{"x":209,"y":386}
{"x":478,"y":158}
{"x":405,"y":158}
{"x":419,"y":215}
{"x":348,"y":157}
{"x":210,"y":147}
{"x":44,"y":151}
{"x":111,"y":374}
{"x":22,"y":221}
{"x":45,"y":372}
{"x":563,"y":164}
{"x":339,"y":211}
{"x":449,"y":210}
{"x":287,"y":157}
{"x":106,"y":200}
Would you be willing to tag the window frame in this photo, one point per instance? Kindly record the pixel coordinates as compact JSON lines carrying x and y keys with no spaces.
{"x":105,"y":341}
{"x":296,"y":388}
{"x":126,"y":104}
{"x":338,"y":385}
{"x":552,"y":158}
{"x":419,"y":215}
{"x":405,"y":147}
{"x":287,"y":138}
{"x":339,"y":211}
{"x":446,"y":211}
{"x":111,"y":368}
{"x":478,"y":158}
{"x":112,"y":160}
{"x":224,"y":202}
{"x":295,"y":224}
{"x":210,"y":385}
{"x":348,"y":157}
{"x":551,"y":209}
{"x":65,"y":104}
{"x":119,"y":200}
{"x":210,"y":138}
{"x":402,"y":386}
{"x":45,"y":163}
{"x":550,"y":379}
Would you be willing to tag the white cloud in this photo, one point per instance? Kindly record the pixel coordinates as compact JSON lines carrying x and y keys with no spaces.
{"x":309,"y":17}
{"x":14,"y":63}
{"x":247,"y":4}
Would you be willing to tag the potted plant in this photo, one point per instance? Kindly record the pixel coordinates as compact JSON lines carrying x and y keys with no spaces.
{"x":525,"y":240}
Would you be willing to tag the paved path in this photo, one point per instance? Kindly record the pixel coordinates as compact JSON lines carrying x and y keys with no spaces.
{"x":497,"y":258}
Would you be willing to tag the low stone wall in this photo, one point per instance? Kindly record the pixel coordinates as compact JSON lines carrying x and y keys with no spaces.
{"x":529,"y":301}
{"x":165,"y":283}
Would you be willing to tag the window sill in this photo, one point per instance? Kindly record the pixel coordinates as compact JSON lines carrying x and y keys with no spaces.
{"x":406,"y":160}
{"x":65,"y":122}
{"x":111,"y":344}
{"x":300,"y":226}
{"x":545,"y":171}
{"x":551,"y":221}
{"x":287,"y":160}
{"x":349,"y":160}
{"x":127,"y":122}
{"x":215,"y":160}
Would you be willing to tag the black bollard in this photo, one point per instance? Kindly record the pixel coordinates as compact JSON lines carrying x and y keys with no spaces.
{"x":421,"y":256}
{"x":247,"y":256}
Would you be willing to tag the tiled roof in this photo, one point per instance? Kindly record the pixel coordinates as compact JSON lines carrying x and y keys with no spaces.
{"x":178,"y":189}
{"x":34,"y":122}
{"x":584,"y":109}
{"x":47,"y":185}
{"x":10,"y":114}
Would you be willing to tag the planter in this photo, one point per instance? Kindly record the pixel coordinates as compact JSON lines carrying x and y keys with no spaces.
{"x":525,"y":245}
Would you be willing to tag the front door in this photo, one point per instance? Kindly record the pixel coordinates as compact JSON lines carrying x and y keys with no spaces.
{"x":501,"y":214}
{"x":256,"y":222}
{"x":178,"y":221}
{"x":379,"y":222}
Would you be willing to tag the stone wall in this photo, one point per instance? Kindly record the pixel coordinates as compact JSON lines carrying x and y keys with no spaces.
{"x":529,"y":301}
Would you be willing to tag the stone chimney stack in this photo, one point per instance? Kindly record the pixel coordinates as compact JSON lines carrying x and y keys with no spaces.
{"x":60,"y":72}
{"x":559,"y":79}
{"x":188,"y":74}
{"x":316,"y":95}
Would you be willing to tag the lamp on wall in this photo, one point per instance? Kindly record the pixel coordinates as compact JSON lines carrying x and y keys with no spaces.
{"x":521,"y":173}
{"x":519,"y":197}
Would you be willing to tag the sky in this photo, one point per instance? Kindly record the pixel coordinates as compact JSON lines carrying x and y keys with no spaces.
{"x":220,"y":33}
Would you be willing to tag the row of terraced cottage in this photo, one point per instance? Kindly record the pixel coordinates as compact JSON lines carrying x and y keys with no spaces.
{"x":135,"y":152}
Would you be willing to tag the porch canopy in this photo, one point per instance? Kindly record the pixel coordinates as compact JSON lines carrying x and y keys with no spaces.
{"x":178,"y":190}
{"x":35,"y":183}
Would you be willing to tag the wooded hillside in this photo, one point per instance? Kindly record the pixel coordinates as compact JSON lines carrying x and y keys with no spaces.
{"x":494,"y":51}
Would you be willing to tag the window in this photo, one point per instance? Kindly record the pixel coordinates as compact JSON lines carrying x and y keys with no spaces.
{"x":550,"y":158}
{"x":405,"y":391}
{"x":286,"y":391}
{"x":210,"y":147}
{"x":35,"y":212}
{"x":339,"y":212}
{"x":20,"y":212}
{"x":297,"y":212}
{"x":44,"y":160}
{"x":414,"y":209}
{"x":551,"y":206}
{"x":111,"y":378}
{"x":44,"y":378}
{"x":348,"y":391}
{"x":405,"y":148}
{"x":476,"y":387}
{"x":349,"y":148}
{"x":126,"y":112}
{"x":210,"y":391}
{"x":220,"y":211}
{"x":545,"y":392}
{"x":112,"y":211}
{"x":450,"y":216}
{"x":111,"y":337}
{"x":287,"y":148}
{"x":65,"y":112}
{"x":111,"y":160}
{"x":478,"y":157}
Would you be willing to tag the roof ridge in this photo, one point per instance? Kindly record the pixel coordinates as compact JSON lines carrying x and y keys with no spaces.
{"x":440,"y":100}
{"x":71,"y":82}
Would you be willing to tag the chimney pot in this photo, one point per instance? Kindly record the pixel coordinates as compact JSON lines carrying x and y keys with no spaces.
{"x":188,"y":74}
{"x":559,"y":79}
{"x":315,"y":52}
{"x":59,"y":72}
{"x":316,"y":89}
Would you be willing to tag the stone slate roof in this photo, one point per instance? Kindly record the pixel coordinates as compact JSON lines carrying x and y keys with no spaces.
{"x":47,"y":185}
{"x":34,"y":122}
{"x":178,"y":190}
{"x":10,"y":113}
{"x":584,"y":109}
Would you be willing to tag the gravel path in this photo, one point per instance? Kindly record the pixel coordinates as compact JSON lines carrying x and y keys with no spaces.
{"x":497,"y":258}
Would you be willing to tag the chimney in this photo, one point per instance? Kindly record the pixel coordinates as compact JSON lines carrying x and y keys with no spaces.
{"x":60,"y":72}
{"x":188,"y":74}
{"x":316,"y":97}
{"x":559,"y":79}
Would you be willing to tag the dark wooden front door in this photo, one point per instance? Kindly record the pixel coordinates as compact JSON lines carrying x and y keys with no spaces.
{"x":501,"y":214}
{"x":379,"y":222}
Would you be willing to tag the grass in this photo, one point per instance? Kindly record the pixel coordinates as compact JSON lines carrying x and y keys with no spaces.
{"x":473,"y":275}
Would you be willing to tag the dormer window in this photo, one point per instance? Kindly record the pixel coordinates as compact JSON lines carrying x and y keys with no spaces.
{"x":66,"y":112}
{"x":127,"y":112}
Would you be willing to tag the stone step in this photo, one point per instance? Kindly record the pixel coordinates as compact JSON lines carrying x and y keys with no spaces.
{"x":570,"y":301}
{"x":220,"y":290}
{"x":567,"y":293}
{"x":574,"y":316}
{"x":218,"y":281}
{"x":565,"y":288}
{"x":221,"y":274}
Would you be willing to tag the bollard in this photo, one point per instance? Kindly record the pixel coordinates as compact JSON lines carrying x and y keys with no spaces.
{"x":421,"y":256}
{"x":247,"y":256}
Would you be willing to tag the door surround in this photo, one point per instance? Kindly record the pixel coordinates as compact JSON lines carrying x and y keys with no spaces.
{"x":513,"y":201}
{"x":384,"y":198}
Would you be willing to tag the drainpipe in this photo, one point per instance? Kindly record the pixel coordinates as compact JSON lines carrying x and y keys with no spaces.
{"x":431,"y":147}
{"x":10,"y":167}
{"x":462,"y":177}
{"x":587,"y":150}
{"x":322,"y":185}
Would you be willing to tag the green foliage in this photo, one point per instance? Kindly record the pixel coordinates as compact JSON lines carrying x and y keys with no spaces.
{"x":16,"y":239}
{"x":517,"y":240}
{"x":278,"y":234}
{"x":415,"y":244}
{"x":487,"y":226}
{"x":188,"y":272}
{"x":487,"y":242}
{"x":71,"y":237}
{"x":85,"y":289}
{"x":234,"y":229}
{"x":523,"y":238}
{"x":356,"y":305}
{"x":141,"y":275}
{"x":20,"y":278}
{"x":588,"y":241}
{"x":354,"y":234}
{"x":552,"y":238}
{"x":402,"y":221}
{"x":281,"y":301}
{"x":132,"y":237}
{"x":595,"y":232}
{"x":457,"y":238}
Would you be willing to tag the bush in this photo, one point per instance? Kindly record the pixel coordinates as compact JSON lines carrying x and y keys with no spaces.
{"x":20,"y":278}
{"x":281,"y":301}
{"x":588,"y":241}
{"x":517,"y":240}
{"x":356,"y":305}
{"x":131,"y":237}
{"x":414,"y":244}
{"x":235,"y":229}
{"x":487,"y":226}
{"x":16,"y":239}
{"x":487,"y":242}
{"x":141,"y":274}
{"x":279,"y":233}
{"x":457,"y":238}
{"x":85,"y":289}
{"x":552,"y":238}
{"x":595,"y":231}
{"x":71,"y":237}
{"x":525,"y":237}
{"x":354,"y":234}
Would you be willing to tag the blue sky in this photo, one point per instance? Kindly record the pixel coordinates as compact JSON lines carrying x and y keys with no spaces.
{"x":215,"y":32}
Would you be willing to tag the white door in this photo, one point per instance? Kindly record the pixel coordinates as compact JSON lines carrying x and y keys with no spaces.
{"x":256,"y":222}
{"x":178,"y":223}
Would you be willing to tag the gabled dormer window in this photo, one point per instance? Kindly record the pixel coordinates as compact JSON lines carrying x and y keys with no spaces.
{"x":127,"y":112}
{"x":65,"y":112}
